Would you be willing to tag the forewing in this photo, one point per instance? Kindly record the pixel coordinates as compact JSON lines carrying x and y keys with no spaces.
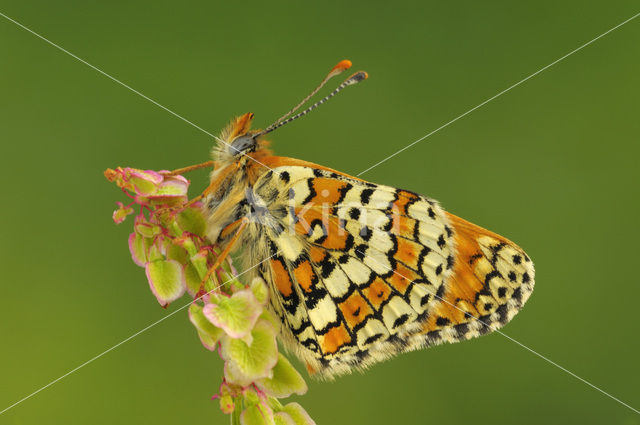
{"x":492,"y":279}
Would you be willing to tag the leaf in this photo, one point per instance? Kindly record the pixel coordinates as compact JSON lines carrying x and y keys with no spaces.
{"x":166,"y":280}
{"x":260,"y":290}
{"x":297,"y":414}
{"x":172,"y":186}
{"x":176,"y":252}
{"x":282,"y":418}
{"x":226,"y":404}
{"x":271,"y":318}
{"x":246,"y":363}
{"x":257,"y":414}
{"x":145,"y":228}
{"x":121,"y":213}
{"x":191,"y":220}
{"x":199,"y":261}
{"x":155,"y":251}
{"x":251,"y":397}
{"x":285,"y":380}
{"x":236,"y":314}
{"x":138,"y":246}
{"x":209,"y":334}
{"x":192,"y":279}
{"x":143,"y":182}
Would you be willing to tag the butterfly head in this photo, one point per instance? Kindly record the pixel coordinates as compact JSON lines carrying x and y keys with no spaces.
{"x":238,"y":141}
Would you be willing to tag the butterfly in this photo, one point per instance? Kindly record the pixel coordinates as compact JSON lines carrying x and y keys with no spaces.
{"x":357,"y":272}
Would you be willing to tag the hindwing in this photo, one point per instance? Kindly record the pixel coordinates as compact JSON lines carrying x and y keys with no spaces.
{"x":360,"y":272}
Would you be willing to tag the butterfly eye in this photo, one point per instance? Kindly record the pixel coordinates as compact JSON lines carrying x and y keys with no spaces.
{"x":242,"y":144}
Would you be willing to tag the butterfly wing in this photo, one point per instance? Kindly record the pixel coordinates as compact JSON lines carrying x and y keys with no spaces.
{"x":492,"y":279}
{"x":362,"y":271}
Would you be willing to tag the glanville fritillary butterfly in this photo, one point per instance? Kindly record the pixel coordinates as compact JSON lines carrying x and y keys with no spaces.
{"x":358,"y":272}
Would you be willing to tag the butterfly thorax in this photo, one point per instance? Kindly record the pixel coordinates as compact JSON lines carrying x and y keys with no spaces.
{"x":239,"y":161}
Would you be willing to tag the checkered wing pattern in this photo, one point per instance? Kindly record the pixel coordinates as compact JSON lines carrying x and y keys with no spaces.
{"x":362,"y":271}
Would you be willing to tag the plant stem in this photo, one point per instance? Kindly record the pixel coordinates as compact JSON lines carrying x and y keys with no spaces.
{"x":235,"y":416}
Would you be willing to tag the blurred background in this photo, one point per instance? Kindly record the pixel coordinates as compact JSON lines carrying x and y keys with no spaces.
{"x":552,"y":165}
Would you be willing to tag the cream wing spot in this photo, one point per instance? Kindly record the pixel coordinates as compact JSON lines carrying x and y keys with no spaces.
{"x":430,"y":264}
{"x":381,"y":198}
{"x":324,"y":313}
{"x":377,"y":261}
{"x":420,"y":295}
{"x":336,"y":283}
{"x":422,"y":211}
{"x":318,"y":233}
{"x":381,"y":240}
{"x":357,"y":272}
{"x":486,"y":304}
{"x":290,"y":246}
{"x":513,"y":258}
{"x":352,"y":197}
{"x":500,"y":289}
{"x":297,"y":319}
{"x":397,"y":312}
{"x":307,"y":334}
{"x":373,"y":331}
{"x":373,"y":218}
{"x":299,"y":192}
{"x":432,"y":235}
{"x":482,"y":268}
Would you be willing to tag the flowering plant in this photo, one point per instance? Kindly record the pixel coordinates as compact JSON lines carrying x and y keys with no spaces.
{"x":230,"y":318}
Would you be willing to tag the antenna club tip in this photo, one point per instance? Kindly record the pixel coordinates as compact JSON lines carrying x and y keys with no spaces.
{"x":357,"y":77}
{"x":342,"y":65}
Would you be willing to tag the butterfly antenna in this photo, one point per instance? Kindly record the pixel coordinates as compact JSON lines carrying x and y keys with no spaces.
{"x":354,"y":79}
{"x":342,"y":66}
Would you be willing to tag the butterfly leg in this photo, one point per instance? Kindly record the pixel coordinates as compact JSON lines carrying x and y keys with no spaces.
{"x":238,"y":226}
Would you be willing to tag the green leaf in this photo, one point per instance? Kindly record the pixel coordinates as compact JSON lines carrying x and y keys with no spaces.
{"x":172,"y":186}
{"x":285,"y":380}
{"x":246,"y":363}
{"x":199,"y":261}
{"x":121,"y":213}
{"x":236,"y":314}
{"x":143,"y":185}
{"x":176,"y":252}
{"x":192,"y":279}
{"x":257,"y":414}
{"x":209,"y":334}
{"x":297,"y":414}
{"x":260,"y":290}
{"x":154,"y":253}
{"x":271,"y":318}
{"x":191,"y":220}
{"x":166,"y":280}
{"x":147,"y":229}
{"x":138,"y":247}
{"x":251,"y":397}
{"x":226,"y":404}
{"x":282,"y":418}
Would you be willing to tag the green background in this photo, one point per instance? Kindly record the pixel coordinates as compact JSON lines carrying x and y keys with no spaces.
{"x":552,"y":165}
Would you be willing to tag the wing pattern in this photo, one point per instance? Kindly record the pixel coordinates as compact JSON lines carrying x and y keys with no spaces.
{"x":362,"y":271}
